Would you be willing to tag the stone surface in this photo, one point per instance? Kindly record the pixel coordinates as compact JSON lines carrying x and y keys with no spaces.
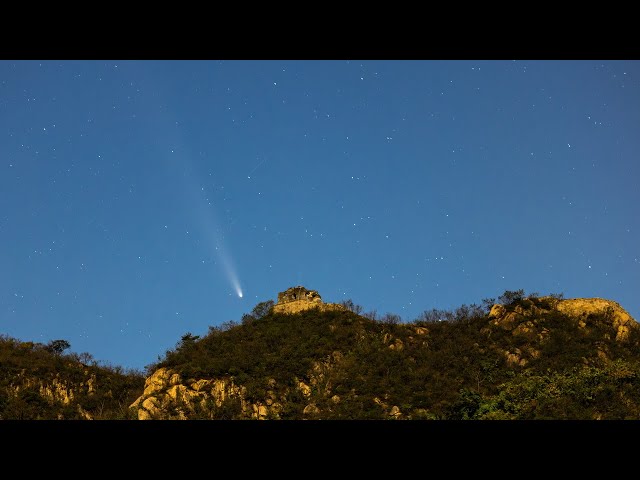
{"x":515,"y":358}
{"x":497,"y":311}
{"x":260,"y":411}
{"x":156,"y":382}
{"x":525,"y":329}
{"x":311,"y":409}
{"x":298,"y":299}
{"x":305,"y":389}
{"x":164,"y":398}
{"x":579,"y":308}
{"x":299,"y":293}
{"x":582,"y":307}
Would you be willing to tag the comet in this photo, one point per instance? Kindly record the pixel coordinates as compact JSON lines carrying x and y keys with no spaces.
{"x":182,"y":167}
{"x":228,"y":266}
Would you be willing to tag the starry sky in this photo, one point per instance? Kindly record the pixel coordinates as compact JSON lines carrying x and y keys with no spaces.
{"x":140,"y":199}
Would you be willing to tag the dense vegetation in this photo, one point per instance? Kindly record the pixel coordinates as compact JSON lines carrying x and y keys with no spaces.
{"x":42,"y":382}
{"x":445,"y":365}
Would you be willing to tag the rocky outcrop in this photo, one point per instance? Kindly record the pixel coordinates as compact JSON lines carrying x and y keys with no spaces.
{"x":311,"y":409}
{"x":56,"y":390}
{"x":516,"y":318}
{"x":167,"y":396}
{"x":299,"y":293}
{"x":393,"y":412}
{"x":583,"y":307}
{"x":304,"y":389}
{"x":298,"y":299}
{"x":515,"y":358}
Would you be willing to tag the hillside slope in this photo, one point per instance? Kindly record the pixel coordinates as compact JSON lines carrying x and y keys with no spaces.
{"x":38,"y":382}
{"x":531,"y":358}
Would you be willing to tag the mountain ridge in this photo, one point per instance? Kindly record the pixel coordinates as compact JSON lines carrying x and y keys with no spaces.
{"x":522,"y":357}
{"x":548,"y":342}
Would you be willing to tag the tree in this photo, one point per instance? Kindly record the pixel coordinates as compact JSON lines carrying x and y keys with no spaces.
{"x":187,"y":339}
{"x":511,"y":296}
{"x":435,"y":315}
{"x":86,"y":358}
{"x":262,"y":309}
{"x":466,"y":406}
{"x":58,"y":346}
{"x":391,"y":319}
{"x":349,"y":305}
{"x":372,"y":315}
{"x":487,"y":303}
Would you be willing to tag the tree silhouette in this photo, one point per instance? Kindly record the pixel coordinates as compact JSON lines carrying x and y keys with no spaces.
{"x":58,"y":346}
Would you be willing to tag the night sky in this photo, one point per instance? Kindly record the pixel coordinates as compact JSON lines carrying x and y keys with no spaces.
{"x":139,"y":198}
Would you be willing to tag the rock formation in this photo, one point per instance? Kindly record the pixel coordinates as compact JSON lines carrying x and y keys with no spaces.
{"x":167,"y":396}
{"x":297,"y":299}
{"x":57,"y":390}
{"x":579,"y":308}
{"x":583,"y":307}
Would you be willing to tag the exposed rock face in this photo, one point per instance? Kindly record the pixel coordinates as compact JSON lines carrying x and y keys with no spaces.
{"x":299,"y":293}
{"x":582,"y":307}
{"x":421,"y":330}
{"x":57,"y":390}
{"x":168,"y":396}
{"x":579,"y":308}
{"x":515,"y":358}
{"x":311,"y":409}
{"x":297,"y":299}
{"x":305,"y":389}
{"x":164,"y":392}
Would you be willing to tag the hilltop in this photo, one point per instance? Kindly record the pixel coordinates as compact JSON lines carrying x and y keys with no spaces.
{"x":525,"y":358}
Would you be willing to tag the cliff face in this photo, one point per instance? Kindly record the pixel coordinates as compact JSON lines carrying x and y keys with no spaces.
{"x":56,"y":391}
{"x":168,"y":396}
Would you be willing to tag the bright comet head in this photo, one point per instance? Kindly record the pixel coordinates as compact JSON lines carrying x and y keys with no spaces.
{"x":240,"y":293}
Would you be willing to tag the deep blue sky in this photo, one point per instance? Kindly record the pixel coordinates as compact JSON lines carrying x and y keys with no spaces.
{"x":132,"y":192}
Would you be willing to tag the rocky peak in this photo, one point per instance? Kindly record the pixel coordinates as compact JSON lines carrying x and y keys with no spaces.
{"x":575,"y":307}
{"x":298,"y":293}
{"x":297,"y":299}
